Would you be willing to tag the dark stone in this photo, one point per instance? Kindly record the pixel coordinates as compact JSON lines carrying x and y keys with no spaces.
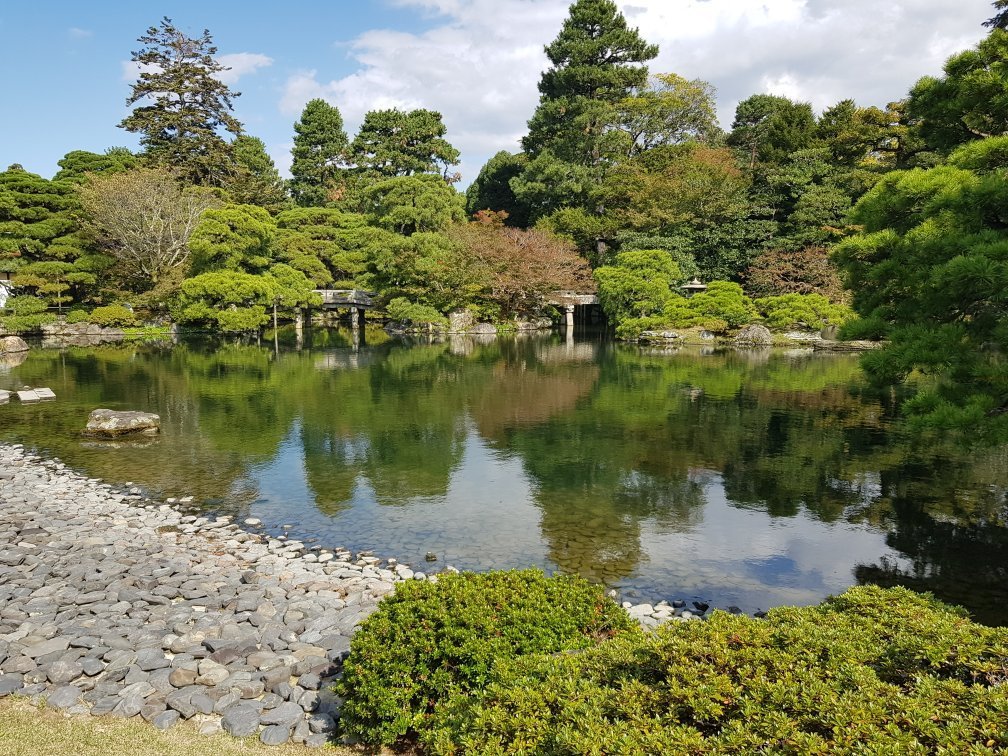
{"x":240,"y":720}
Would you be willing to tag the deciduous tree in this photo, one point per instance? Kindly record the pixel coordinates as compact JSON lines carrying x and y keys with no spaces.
{"x":144,"y":220}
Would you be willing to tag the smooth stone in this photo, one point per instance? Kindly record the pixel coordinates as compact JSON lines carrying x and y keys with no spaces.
{"x":64,"y":697}
{"x":275,"y":735}
{"x":165,"y":719}
{"x":285,"y":714}
{"x":240,"y":720}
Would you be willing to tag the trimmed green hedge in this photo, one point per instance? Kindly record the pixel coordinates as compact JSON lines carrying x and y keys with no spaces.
{"x":432,"y":644}
{"x":870,"y":671}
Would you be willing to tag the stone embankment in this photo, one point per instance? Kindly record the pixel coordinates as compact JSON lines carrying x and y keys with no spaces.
{"x":114,"y":605}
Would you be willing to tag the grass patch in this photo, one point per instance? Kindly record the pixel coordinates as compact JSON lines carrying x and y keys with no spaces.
{"x":29,"y":730}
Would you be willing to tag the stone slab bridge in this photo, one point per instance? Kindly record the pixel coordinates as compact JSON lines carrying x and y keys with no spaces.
{"x":568,"y":300}
{"x":359,"y":301}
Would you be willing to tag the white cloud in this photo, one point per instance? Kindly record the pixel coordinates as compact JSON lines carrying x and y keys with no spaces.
{"x":241,"y":64}
{"x":77,"y":33}
{"x":480,"y":62}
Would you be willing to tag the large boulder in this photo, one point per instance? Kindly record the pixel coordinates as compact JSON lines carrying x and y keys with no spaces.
{"x":106,"y":423}
{"x":754,"y":335}
{"x":12,"y":344}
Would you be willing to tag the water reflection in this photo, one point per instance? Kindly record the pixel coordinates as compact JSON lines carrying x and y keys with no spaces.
{"x":750,"y":478}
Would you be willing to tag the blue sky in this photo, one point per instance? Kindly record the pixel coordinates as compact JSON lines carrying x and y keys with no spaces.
{"x":477,"y":61}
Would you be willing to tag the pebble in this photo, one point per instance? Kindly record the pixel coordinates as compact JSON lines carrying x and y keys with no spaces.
{"x":110,"y":603}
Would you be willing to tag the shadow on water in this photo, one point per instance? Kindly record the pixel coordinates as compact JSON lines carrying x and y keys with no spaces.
{"x":748,"y":478}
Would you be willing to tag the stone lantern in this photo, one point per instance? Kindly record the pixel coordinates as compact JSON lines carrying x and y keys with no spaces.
{"x":694,"y":287}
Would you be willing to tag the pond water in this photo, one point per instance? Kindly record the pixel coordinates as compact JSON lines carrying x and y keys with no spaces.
{"x":740,"y":478}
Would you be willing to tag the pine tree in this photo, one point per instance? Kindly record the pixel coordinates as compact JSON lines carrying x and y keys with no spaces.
{"x":597,"y":61}
{"x":257,"y":180}
{"x":320,"y":154}
{"x":185,"y":106}
{"x":394,"y":143}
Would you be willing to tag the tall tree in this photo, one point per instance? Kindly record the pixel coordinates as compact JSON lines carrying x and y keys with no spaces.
{"x":180,"y":105}
{"x":969,"y":102}
{"x":596,"y":61}
{"x":399,"y":143}
{"x":320,"y":155}
{"x":669,"y":110}
{"x":491,"y":190}
{"x":257,"y":180}
{"x":1000,"y":19}
{"x":768,"y":128}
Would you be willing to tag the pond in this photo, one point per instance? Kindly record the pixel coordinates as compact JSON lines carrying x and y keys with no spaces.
{"x":739,"y":478}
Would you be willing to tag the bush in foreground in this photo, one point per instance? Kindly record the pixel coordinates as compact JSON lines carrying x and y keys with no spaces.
{"x":432,"y":644}
{"x":473,"y":665}
{"x":114,"y":315}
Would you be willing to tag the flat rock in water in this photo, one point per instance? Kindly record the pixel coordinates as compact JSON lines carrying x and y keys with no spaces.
{"x":108,"y":423}
{"x":45,"y":393}
{"x":28,"y":396}
{"x":4,"y":397}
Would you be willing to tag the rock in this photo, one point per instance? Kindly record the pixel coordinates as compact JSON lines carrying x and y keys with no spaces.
{"x":754,"y":335}
{"x":165,"y":719}
{"x":10,"y":684}
{"x":460,"y":321}
{"x":62,"y":672}
{"x":64,"y":697}
{"x":108,"y":423}
{"x":180,"y":678}
{"x":240,"y":720}
{"x":12,"y":345}
{"x":286,"y":714}
{"x":275,"y":735}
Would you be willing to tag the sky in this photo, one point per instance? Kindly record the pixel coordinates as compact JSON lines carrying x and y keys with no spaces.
{"x":67,"y":70}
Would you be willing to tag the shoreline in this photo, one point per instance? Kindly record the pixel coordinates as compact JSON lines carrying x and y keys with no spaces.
{"x":115,"y":604}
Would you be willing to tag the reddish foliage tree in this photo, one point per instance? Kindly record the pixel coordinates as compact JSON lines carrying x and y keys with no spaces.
{"x":523,"y":266}
{"x":800,"y":271}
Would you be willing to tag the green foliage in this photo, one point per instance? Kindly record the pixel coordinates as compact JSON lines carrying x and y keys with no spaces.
{"x":723,"y":302}
{"x":628,"y":241}
{"x":630,"y":329}
{"x":25,"y":314}
{"x":430,"y":644}
{"x":969,"y":102}
{"x":394,"y":143}
{"x":256,"y":180}
{"x":402,"y":310}
{"x":112,"y":315}
{"x":76,"y":165}
{"x":319,"y":155}
{"x":412,"y":204}
{"x":77,"y":316}
{"x":225,"y":300}
{"x":235,"y":237}
{"x":669,"y":110}
{"x":932,"y":266}
{"x":982,"y":155}
{"x":596,"y":62}
{"x":768,"y":128}
{"x":809,"y":310}
{"x":886,"y":671}
{"x":491,"y":190}
{"x":180,"y":104}
{"x":638,"y":284}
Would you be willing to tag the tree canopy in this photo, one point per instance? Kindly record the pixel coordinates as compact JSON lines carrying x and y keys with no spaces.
{"x":181,"y":106}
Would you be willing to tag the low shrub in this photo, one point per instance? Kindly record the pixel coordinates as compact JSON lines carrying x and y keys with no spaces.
{"x":631,"y":328}
{"x":78,"y":316}
{"x":430,"y":644}
{"x":115,"y":316}
{"x":870,"y":671}
{"x":404,"y":311}
{"x":813,"y":310}
{"x":25,"y":314}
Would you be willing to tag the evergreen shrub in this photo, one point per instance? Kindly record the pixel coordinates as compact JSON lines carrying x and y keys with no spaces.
{"x":431,"y":644}
{"x":112,"y":316}
{"x":870,"y":671}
